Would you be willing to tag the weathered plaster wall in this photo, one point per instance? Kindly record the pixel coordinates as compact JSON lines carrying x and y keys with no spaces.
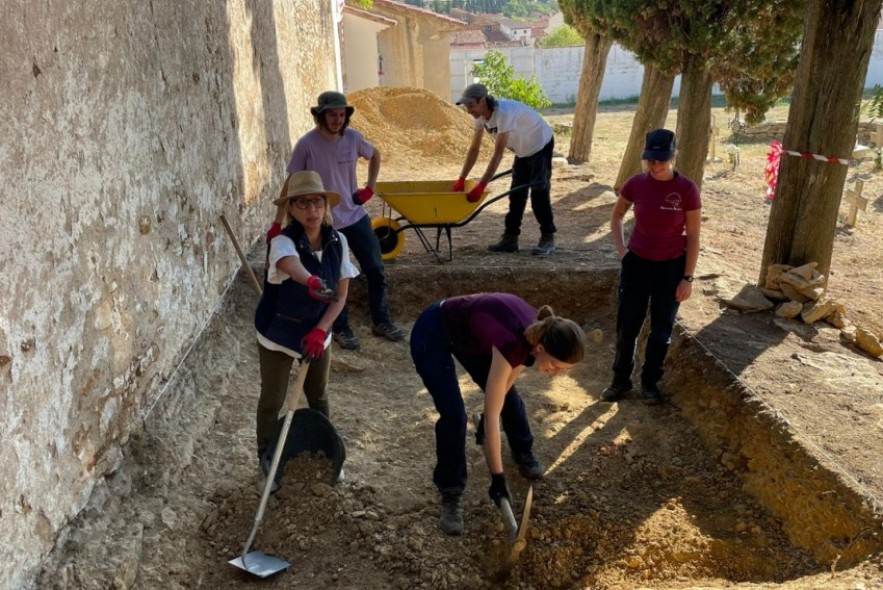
{"x":417,"y":51}
{"x":127,"y":128}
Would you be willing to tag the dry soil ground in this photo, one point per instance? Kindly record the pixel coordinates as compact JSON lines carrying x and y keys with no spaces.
{"x":632,"y":498}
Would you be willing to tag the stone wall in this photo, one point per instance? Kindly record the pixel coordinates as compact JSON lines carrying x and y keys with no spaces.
{"x":775,"y":130}
{"x":558,"y":69}
{"x":128,"y":128}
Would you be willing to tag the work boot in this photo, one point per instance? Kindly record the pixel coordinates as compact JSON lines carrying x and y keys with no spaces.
{"x":545,"y":246}
{"x":507,"y":243}
{"x":346,"y":339}
{"x":451,"y":520}
{"x":651,"y":394}
{"x":615,"y":391}
{"x":389,"y":331}
{"x":528,"y":465}
{"x":265,"y":461}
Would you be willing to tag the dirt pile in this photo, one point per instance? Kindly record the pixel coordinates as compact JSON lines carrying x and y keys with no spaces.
{"x":408,"y":124}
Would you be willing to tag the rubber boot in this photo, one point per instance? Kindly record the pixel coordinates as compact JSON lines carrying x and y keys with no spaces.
{"x":507,"y":243}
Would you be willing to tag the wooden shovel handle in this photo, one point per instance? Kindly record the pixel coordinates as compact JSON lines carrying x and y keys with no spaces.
{"x":254,"y":280}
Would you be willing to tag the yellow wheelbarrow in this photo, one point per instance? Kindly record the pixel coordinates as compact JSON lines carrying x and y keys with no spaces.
{"x":426,"y":204}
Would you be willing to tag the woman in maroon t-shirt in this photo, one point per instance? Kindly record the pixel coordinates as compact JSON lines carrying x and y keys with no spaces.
{"x":657,"y":265}
{"x":494,"y":336}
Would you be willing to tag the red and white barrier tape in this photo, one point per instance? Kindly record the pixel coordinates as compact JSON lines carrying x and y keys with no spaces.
{"x":808,"y":156}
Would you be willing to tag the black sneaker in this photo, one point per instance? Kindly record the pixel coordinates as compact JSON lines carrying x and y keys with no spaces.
{"x":389,"y":331}
{"x":508,"y":243}
{"x":346,"y":339}
{"x":528,"y":465}
{"x":652,"y":396}
{"x":545,"y":246}
{"x":451,"y":519}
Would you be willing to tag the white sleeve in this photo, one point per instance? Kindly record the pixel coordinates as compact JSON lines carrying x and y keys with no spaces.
{"x":280,"y":247}
{"x":348,"y":270}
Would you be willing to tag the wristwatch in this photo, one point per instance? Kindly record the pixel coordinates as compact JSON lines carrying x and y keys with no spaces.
{"x":688,"y":278}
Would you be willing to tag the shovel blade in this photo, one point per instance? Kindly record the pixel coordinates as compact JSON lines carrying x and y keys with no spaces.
{"x":260,"y":564}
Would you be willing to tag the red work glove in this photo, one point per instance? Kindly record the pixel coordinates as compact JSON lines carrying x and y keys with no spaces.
{"x":459,"y":185}
{"x":313,"y":344}
{"x":274,"y":231}
{"x":320,"y":291}
{"x":475,"y":194}
{"x":363,"y":195}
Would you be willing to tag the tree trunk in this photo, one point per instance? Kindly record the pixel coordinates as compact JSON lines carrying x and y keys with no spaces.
{"x":651,"y":112}
{"x":594,"y":64}
{"x":822,"y":120}
{"x":694,"y":118}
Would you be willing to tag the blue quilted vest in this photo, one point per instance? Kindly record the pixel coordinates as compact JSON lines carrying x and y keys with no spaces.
{"x":286,"y":312}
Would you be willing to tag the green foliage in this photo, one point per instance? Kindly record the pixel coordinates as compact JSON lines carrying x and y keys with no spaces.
{"x":563,"y":36}
{"x":499,"y":77}
{"x":750,"y":46}
{"x":875,"y":105}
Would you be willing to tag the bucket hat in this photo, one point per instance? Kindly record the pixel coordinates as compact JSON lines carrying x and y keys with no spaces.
{"x":473,"y":93}
{"x":659,"y":145}
{"x":331,"y":100}
{"x":307,"y":182}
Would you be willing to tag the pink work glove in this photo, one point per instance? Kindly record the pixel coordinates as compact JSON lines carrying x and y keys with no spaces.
{"x":320,"y":291}
{"x":459,"y":185}
{"x":313,"y":344}
{"x":363,"y":195}
{"x":475,"y":194}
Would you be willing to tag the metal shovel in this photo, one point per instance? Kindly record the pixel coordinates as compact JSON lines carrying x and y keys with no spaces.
{"x":257,"y":562}
{"x":517,"y":534}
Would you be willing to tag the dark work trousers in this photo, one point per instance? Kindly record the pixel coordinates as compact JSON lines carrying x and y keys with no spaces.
{"x":365,"y":247}
{"x":275,"y":376}
{"x":532,"y":169}
{"x":641,"y":282}
{"x":433,"y":356}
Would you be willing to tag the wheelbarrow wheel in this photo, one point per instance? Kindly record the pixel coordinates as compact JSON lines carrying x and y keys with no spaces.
{"x":388,"y":233}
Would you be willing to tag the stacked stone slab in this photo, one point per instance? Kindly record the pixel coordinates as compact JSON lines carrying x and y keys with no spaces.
{"x":800,"y":291}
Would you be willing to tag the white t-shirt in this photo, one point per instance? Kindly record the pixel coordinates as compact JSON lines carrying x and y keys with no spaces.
{"x":528,"y":132}
{"x":282,"y":246}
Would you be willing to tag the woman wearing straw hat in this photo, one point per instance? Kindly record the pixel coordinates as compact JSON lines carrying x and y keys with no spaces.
{"x":333,"y":149}
{"x":305,"y":288}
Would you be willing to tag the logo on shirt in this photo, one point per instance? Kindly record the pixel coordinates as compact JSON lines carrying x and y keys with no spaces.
{"x":672,"y":202}
{"x":491,"y":130}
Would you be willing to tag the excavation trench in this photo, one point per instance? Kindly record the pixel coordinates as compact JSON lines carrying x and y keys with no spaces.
{"x":711,"y":489}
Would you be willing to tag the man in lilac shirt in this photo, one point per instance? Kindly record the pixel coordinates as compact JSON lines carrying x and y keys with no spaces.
{"x":333,"y":149}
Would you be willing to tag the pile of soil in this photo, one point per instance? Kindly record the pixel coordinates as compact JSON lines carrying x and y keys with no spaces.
{"x":409,"y":123}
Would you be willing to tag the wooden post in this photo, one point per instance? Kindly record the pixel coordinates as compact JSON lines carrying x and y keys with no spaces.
{"x":856,"y":201}
{"x":713,"y":131}
{"x":877,"y":136}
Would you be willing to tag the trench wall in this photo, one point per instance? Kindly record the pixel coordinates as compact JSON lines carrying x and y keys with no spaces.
{"x":821,"y":507}
{"x":127,"y":129}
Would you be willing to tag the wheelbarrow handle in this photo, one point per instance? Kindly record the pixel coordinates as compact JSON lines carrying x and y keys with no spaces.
{"x":501,"y":175}
{"x":493,"y":200}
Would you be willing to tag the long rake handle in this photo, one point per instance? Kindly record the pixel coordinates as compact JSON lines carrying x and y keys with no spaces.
{"x":254,"y":280}
{"x":292,"y":400}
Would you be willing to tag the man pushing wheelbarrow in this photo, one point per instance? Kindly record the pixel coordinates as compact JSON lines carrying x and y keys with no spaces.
{"x":515,"y":126}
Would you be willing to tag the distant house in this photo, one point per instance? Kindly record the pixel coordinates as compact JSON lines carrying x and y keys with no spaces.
{"x":517,"y":30}
{"x":470,"y":39}
{"x":414,"y":51}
